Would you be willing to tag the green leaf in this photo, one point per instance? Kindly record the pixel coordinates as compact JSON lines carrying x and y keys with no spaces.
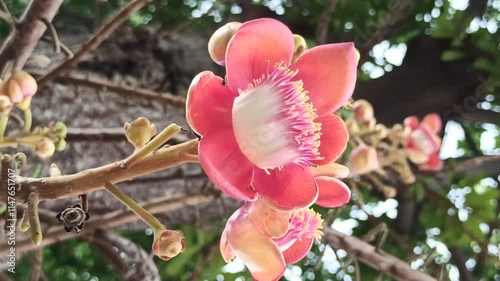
{"x":452,"y":55}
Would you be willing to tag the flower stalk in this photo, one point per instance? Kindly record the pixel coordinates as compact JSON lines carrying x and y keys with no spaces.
{"x":3,"y":125}
{"x":136,"y":208}
{"x":151,"y":146}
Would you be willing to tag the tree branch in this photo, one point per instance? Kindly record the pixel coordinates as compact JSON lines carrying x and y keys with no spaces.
{"x":97,"y":38}
{"x":324,"y":21}
{"x":385,"y":29}
{"x":109,"y":86}
{"x":27,"y":32}
{"x":110,"y":220}
{"x":378,"y":260}
{"x":93,"y":179}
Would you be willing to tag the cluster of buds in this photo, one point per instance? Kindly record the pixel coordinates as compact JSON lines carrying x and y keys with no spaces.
{"x":46,"y":140}
{"x":376,"y":148}
{"x":17,"y":90}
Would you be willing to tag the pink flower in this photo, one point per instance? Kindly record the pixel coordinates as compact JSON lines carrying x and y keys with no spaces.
{"x":268,"y":120}
{"x":266,"y":240}
{"x":423,"y":142}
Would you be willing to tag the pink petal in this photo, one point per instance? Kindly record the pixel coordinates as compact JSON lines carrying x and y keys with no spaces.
{"x":329,"y":75}
{"x":272,"y":222}
{"x":257,"y":250}
{"x":209,"y":103}
{"x":289,"y":188}
{"x":333,"y":140}
{"x":411,"y":122}
{"x":434,"y":164}
{"x":432,"y":122}
{"x":424,"y":141}
{"x":225,"y":165}
{"x":225,"y":249}
{"x":257,"y":46}
{"x":331,"y":169}
{"x":332,"y":192}
{"x":298,"y":250}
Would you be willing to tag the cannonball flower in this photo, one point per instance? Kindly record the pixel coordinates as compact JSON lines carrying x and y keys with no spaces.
{"x":266,"y":240}
{"x":269,"y":120}
{"x":422,"y":143}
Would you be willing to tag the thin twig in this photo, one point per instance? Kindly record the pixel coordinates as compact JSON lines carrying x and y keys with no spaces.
{"x":97,"y":38}
{"x":99,"y":83}
{"x":378,"y":260}
{"x":53,"y":34}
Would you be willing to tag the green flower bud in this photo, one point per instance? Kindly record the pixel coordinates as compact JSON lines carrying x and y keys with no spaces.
{"x":300,"y":46}
{"x":140,"y":131}
{"x":60,"y":145}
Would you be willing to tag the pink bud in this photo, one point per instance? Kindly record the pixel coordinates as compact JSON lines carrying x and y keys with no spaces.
{"x":20,"y":86}
{"x":363,"y":111}
{"x":363,"y":160}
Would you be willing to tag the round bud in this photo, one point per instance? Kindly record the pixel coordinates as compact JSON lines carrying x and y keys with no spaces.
{"x":363,"y":160}
{"x":363,"y":111}
{"x":168,"y":243}
{"x":140,"y":131}
{"x":20,"y":86}
{"x":45,"y":148}
{"x":217,"y":45}
{"x":300,"y":46}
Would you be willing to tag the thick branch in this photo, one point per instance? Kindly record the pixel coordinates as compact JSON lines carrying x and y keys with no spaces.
{"x":93,"y":179}
{"x":27,"y":32}
{"x":378,"y":260}
{"x":104,"y":32}
{"x":110,"y":220}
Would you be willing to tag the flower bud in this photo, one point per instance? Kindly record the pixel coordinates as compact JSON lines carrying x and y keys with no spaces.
{"x":363,"y":111}
{"x":363,"y":160}
{"x":20,"y":86}
{"x":380,"y":131}
{"x":217,"y":45}
{"x":54,"y":171}
{"x":300,"y":46}
{"x":60,"y":145}
{"x":139,"y":132}
{"x":389,"y":191}
{"x":61,"y":129}
{"x":45,"y":148}
{"x":168,"y":243}
{"x":5,"y":105}
{"x":352,"y":126}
